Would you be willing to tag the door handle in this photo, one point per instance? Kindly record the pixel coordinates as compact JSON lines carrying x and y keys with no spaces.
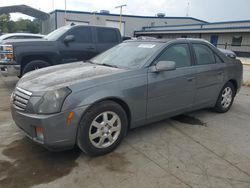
{"x":220,"y":73}
{"x":90,"y":48}
{"x":190,"y":79}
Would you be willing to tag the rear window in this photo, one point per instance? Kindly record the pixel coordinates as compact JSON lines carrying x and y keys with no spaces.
{"x":106,"y":35}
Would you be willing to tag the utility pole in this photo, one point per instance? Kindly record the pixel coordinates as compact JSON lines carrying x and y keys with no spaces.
{"x":65,"y":12}
{"x":53,"y":5}
{"x":187,"y":13}
{"x":120,"y":22}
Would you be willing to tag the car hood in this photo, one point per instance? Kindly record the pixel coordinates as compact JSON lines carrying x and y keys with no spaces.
{"x":30,"y":42}
{"x":64,"y":76}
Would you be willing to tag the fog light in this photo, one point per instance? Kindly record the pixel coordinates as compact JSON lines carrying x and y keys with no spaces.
{"x":39,"y":133}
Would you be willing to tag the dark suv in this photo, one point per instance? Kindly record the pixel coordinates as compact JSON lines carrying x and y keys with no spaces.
{"x":66,"y":44}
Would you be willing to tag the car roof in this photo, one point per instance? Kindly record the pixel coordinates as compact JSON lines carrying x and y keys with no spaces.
{"x":83,"y":25}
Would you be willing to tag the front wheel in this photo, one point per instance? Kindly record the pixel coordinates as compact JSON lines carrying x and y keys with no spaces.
{"x":34,"y":65}
{"x":102,"y":128}
{"x":225,"y":99}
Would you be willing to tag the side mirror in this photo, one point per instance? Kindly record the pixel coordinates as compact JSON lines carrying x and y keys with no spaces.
{"x":164,"y":66}
{"x":68,"y":39}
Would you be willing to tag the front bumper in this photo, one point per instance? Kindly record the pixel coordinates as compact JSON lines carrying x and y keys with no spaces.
{"x":57,"y":134}
{"x":10,"y":69}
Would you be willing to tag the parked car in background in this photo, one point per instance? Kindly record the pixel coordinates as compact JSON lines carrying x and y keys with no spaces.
{"x":137,"y":82}
{"x":66,"y":44}
{"x":17,"y":36}
{"x":228,"y":53}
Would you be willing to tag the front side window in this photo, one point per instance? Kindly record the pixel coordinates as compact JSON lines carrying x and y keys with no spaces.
{"x":106,"y":35}
{"x":178,"y":53}
{"x":81,"y":34}
{"x":204,"y":55}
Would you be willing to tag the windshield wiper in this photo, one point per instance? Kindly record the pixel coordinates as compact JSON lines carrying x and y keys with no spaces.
{"x":108,"y":65}
{"x":89,"y":61}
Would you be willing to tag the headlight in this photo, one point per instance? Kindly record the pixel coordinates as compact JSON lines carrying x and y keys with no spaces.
{"x":52,"y":101}
{"x":6,"y":53}
{"x":6,"y":48}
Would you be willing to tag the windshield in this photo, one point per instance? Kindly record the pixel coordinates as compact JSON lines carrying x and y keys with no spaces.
{"x":130,"y":55}
{"x":54,"y":35}
{"x":3,"y":37}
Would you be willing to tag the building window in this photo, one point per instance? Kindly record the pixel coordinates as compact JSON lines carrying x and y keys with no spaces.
{"x":183,"y":36}
{"x":237,"y":40}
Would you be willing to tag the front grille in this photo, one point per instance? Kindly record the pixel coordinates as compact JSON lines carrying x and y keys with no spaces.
{"x":21,"y":98}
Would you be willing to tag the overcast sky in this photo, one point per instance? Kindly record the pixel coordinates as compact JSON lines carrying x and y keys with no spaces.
{"x":208,"y":10}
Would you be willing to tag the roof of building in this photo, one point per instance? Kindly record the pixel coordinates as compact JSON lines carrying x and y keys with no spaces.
{"x":125,"y":15}
{"x":25,"y":10}
{"x":216,"y":27}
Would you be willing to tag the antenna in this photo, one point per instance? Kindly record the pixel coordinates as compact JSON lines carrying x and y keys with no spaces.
{"x":187,"y":13}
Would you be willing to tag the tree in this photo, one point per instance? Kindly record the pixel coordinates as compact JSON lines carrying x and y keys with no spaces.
{"x":21,"y":25}
{"x":4,"y":19}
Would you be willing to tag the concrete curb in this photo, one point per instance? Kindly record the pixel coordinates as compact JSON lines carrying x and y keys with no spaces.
{"x":247,"y":64}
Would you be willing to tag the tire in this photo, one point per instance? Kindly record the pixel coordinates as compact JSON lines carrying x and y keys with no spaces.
{"x":33,"y":65}
{"x":225,"y":99}
{"x":94,"y":133}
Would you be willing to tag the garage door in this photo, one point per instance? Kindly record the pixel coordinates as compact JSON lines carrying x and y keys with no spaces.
{"x":116,"y":24}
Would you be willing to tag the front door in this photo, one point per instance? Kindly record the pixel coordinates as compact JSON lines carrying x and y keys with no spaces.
{"x":171,"y":92}
{"x":82,"y":48}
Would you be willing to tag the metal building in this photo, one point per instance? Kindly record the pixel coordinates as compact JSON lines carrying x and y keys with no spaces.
{"x":234,"y":35}
{"x":130,"y":23}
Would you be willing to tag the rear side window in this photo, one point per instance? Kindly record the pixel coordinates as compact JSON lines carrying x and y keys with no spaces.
{"x":179,"y":53}
{"x":106,"y":35}
{"x":204,"y":55}
{"x":218,"y":59}
{"x":81,"y":34}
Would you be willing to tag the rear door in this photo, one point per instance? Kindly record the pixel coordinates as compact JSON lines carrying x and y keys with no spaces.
{"x":209,"y":75}
{"x":106,"y":38}
{"x":171,"y":92}
{"x":83,"y":46}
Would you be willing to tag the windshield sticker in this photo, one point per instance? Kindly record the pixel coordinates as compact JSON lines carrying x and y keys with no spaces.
{"x":146,"y":46}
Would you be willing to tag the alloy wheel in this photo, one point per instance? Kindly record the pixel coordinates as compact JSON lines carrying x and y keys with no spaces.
{"x":105,"y":129}
{"x":227,"y":97}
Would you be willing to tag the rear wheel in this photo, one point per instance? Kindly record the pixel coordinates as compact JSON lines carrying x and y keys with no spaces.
{"x":225,"y":99}
{"x":34,"y":65}
{"x":102,"y":128}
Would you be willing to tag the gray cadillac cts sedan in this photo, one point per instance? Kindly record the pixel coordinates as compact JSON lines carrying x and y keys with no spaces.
{"x":93,"y":104}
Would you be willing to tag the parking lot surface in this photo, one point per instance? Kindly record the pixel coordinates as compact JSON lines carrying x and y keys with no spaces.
{"x":200,"y":149}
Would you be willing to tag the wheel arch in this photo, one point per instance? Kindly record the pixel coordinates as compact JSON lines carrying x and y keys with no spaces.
{"x":235,"y":84}
{"x":26,"y":59}
{"x":117,"y":100}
